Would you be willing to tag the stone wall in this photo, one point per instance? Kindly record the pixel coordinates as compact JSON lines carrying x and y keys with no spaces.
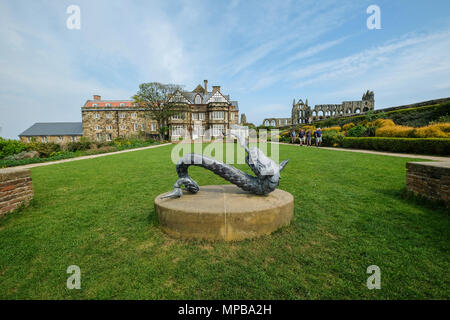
{"x":55,"y":139}
{"x":429,"y":179}
{"x":16,"y":188}
{"x":277,"y":122}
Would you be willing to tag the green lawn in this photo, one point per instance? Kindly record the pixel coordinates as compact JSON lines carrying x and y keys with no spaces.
{"x":350,"y":213}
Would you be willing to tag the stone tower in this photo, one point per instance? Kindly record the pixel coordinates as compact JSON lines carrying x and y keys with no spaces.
{"x":243,"y":119}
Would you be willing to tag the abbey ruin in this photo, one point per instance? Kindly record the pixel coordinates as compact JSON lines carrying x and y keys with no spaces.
{"x":302,"y":113}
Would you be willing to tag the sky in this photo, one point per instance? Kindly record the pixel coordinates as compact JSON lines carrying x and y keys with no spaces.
{"x":262,"y":53}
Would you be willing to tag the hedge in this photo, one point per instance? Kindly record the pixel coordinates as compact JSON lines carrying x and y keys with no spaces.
{"x":437,"y":146}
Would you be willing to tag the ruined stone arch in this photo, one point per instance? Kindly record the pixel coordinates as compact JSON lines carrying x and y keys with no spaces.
{"x":320,"y":114}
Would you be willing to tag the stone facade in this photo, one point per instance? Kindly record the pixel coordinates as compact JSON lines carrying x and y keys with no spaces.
{"x":106,"y":123}
{"x":55,"y":132}
{"x":429,"y":179}
{"x":46,"y":138}
{"x":109,"y":119}
{"x":16,"y":188}
{"x":209,"y":113}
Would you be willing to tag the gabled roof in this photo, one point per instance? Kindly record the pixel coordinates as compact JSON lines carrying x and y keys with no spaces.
{"x":54,"y":129}
{"x":199,"y":89}
{"x":112,"y":103}
{"x":217,"y":97}
{"x":180,"y":96}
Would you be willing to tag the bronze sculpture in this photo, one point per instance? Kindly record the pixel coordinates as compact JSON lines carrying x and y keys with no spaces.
{"x":266,"y":170}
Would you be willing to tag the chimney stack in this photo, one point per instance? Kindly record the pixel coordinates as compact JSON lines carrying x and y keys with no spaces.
{"x":206,"y":86}
{"x":97,"y":97}
{"x":215,"y":89}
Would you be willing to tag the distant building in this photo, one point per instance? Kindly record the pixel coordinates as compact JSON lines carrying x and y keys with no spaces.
{"x":302,"y":113}
{"x":105,"y":120}
{"x":57,"y":132}
{"x":109,"y":119}
{"x":211,"y":110}
{"x":243,"y":119}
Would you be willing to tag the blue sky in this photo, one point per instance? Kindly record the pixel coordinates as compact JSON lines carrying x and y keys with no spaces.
{"x":263,"y":53}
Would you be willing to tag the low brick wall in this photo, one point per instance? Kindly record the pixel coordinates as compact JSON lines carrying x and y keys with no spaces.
{"x":429,"y":179}
{"x":16,"y":188}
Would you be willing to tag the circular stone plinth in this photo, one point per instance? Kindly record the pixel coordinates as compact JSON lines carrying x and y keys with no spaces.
{"x":224,"y":212}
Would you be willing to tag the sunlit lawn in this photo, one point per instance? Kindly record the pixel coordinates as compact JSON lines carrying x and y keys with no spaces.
{"x":350,"y":213}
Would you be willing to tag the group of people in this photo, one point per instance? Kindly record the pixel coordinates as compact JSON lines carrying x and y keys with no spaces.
{"x":306,"y":137}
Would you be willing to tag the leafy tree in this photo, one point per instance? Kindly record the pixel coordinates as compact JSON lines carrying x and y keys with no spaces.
{"x":154,"y":97}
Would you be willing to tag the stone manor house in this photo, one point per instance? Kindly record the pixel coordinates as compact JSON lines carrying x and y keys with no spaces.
{"x":302,"y":113}
{"x":105,"y":120}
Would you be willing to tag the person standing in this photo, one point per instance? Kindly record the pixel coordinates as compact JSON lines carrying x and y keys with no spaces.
{"x":301,"y":135}
{"x":318,"y":137}
{"x":293,"y":136}
{"x":308,"y":137}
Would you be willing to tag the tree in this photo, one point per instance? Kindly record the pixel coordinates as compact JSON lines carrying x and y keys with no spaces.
{"x":154,"y":97}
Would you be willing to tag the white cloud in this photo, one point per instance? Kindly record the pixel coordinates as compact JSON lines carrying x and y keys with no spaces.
{"x":361,"y":62}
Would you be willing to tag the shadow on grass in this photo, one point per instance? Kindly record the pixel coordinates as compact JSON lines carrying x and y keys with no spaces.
{"x":408,"y":198}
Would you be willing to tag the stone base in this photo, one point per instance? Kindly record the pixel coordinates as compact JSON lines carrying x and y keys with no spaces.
{"x":224,"y":212}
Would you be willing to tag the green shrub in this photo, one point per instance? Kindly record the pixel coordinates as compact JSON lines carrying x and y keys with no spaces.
{"x":44,"y":149}
{"x":332,"y":138}
{"x":357,"y":131}
{"x":370,"y":131}
{"x":59,"y":155}
{"x":438,"y":146}
{"x":442,"y":119}
{"x":11,"y":147}
{"x":78,"y":146}
{"x":418,"y":117}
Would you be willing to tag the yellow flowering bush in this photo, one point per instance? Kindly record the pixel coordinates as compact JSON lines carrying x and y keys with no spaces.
{"x":311,"y":127}
{"x":381,"y":123}
{"x":336,"y":128}
{"x":348,"y":126}
{"x":394,"y":131}
{"x":438,"y":130}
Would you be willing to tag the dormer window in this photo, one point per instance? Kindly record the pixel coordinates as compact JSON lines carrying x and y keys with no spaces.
{"x":122,"y":104}
{"x":108,"y":104}
{"x":198,"y":99}
{"x":95,"y":105}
